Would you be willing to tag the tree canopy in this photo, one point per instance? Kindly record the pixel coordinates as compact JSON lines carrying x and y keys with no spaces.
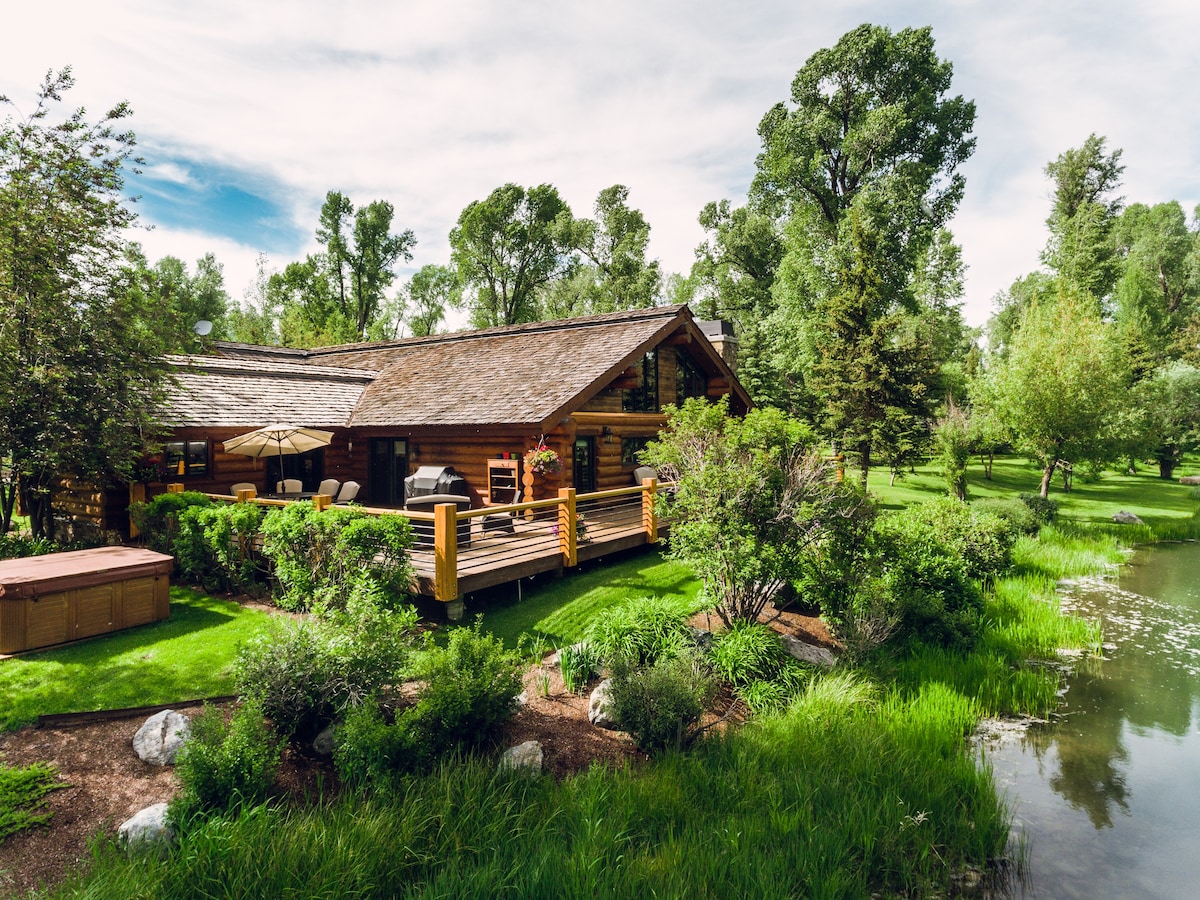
{"x":80,"y":348}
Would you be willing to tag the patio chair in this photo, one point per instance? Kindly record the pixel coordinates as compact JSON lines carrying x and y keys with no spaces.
{"x":502,"y":522}
{"x":242,"y":486}
{"x":289,"y":486}
{"x":348,"y":492}
{"x":329,"y":487}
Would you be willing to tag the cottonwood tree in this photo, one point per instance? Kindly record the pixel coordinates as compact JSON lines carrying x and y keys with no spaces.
{"x":1169,"y":405}
{"x":752,"y":497}
{"x":508,"y":247}
{"x":80,"y":370}
{"x":871,"y":130}
{"x":614,"y":243}
{"x":429,"y":293}
{"x":187,"y":298}
{"x":1062,"y":388}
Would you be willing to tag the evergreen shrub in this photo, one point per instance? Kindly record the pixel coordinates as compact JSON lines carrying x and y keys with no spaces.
{"x":660,"y":704}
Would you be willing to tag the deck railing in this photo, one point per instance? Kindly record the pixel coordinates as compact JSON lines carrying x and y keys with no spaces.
{"x":458,"y":551}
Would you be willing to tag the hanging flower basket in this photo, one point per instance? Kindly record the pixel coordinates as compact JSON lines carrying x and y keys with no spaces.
{"x":541,"y":460}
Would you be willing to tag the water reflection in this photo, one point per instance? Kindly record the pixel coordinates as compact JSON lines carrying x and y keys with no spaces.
{"x":1110,"y":793}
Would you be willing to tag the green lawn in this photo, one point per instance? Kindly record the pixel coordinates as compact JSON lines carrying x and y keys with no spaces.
{"x":560,"y":611}
{"x":1145,"y":494}
{"x":188,"y":656}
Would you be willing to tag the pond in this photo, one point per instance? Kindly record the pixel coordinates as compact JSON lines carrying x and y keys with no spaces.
{"x":1107,"y":797}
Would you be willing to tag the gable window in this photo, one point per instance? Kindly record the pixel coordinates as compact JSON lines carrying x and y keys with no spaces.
{"x":689,"y":380}
{"x":644,"y":397}
{"x":186,"y":458}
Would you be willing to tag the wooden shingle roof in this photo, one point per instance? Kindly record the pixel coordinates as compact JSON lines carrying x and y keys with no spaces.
{"x":248,"y":392}
{"x":526,"y":375}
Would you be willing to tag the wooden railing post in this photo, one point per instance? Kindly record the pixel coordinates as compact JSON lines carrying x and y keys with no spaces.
{"x":649,"y":516}
{"x":175,"y":488}
{"x":322,"y":501}
{"x":445,"y":552}
{"x":246,"y":495}
{"x":567,"y":534}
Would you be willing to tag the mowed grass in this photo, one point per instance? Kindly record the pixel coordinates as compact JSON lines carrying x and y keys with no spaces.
{"x":186,"y":657}
{"x":559,"y":612}
{"x":1155,"y":500}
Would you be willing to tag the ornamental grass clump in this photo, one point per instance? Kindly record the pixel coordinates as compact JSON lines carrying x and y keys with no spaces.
{"x":641,"y":631}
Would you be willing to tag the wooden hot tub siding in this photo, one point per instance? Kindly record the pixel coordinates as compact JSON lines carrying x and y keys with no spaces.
{"x":63,"y":597}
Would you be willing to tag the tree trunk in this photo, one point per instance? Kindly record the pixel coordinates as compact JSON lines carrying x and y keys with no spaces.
{"x":8,"y":502}
{"x":1165,"y":468}
{"x":1047,"y":473}
{"x":864,"y":460}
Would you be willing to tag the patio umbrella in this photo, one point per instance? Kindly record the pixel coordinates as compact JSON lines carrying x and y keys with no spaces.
{"x":278,"y":440}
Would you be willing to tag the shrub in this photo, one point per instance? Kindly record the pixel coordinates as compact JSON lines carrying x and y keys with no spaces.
{"x":221,"y":766}
{"x":216,"y":546}
{"x":158,"y":519}
{"x":1017,"y":515}
{"x":367,"y":748}
{"x":22,"y":796}
{"x":1045,"y":509}
{"x":747,"y":652}
{"x":471,"y":686}
{"x":304,"y":674}
{"x":982,"y":540}
{"x":659,"y":705}
{"x":13,"y":547}
{"x":320,"y":557}
{"x":641,"y":631}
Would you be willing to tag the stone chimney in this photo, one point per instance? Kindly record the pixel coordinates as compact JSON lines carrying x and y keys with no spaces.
{"x":720,"y":334}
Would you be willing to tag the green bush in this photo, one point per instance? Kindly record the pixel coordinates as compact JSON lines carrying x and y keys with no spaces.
{"x":1045,"y":509}
{"x":319,"y":557}
{"x":470,"y":687}
{"x":642,"y":630}
{"x":13,"y":547}
{"x":747,"y":652}
{"x":1017,"y":515}
{"x":216,"y":546}
{"x":222,"y":766}
{"x":982,"y":540}
{"x":158,"y":519}
{"x":305,"y":674}
{"x":660,"y":705}
{"x":22,"y":796}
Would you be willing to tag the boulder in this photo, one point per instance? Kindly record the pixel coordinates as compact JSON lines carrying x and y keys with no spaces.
{"x":526,"y":757}
{"x":701,"y":638}
{"x":158,"y":741}
{"x":600,"y":706}
{"x":324,"y":741}
{"x":808,"y":653}
{"x":1189,"y":479}
{"x":147,"y":828}
{"x":1126,"y":518}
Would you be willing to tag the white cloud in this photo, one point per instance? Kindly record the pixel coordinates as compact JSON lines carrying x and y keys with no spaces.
{"x":431,"y":105}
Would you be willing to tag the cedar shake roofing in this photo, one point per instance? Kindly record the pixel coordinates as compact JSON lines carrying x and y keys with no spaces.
{"x":528,"y":375}
{"x":242,"y":392}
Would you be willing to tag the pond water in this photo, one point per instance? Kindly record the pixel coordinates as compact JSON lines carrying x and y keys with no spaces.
{"x":1107,"y":797}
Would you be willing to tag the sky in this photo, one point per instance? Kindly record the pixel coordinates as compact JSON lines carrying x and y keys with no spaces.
{"x":247,"y":113}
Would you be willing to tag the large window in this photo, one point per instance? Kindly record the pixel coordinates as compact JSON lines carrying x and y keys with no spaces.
{"x":689,"y":380}
{"x":644,"y":397}
{"x":630,"y":448}
{"x":186,"y":458}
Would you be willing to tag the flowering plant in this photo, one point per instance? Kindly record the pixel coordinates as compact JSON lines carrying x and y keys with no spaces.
{"x":541,"y":460}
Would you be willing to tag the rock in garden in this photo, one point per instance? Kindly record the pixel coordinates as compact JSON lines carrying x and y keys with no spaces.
{"x":1127,"y":518}
{"x":323,"y":743}
{"x":600,"y":706}
{"x":526,"y":757}
{"x":701,"y":638}
{"x":1190,"y":479}
{"x":809,"y":653}
{"x":147,"y":828}
{"x":158,"y":741}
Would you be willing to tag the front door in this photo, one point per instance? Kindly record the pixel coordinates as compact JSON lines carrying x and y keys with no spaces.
{"x":585,"y":465}
{"x":388,"y":469}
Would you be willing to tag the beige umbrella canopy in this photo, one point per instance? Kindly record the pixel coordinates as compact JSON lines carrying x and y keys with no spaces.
{"x":278,"y":440}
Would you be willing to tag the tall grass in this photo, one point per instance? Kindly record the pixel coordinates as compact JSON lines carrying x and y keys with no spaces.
{"x":842,"y":794}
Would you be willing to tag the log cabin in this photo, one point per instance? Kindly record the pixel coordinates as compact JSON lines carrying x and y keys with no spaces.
{"x":592,"y":388}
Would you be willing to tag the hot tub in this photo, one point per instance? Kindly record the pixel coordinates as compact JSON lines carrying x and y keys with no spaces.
{"x":61,"y":597}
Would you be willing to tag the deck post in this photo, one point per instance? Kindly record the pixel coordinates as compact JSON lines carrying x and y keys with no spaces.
{"x":649,"y":516}
{"x":321,"y":502}
{"x":175,"y":488}
{"x":567,"y":535}
{"x":445,"y":552}
{"x":246,"y":495}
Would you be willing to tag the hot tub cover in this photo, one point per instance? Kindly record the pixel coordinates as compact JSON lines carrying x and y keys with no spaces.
{"x":36,"y":575}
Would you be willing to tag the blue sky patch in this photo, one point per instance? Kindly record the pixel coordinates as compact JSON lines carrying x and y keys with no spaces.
{"x":180,"y":193}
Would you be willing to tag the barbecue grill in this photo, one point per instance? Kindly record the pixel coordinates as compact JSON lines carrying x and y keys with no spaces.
{"x":434,"y":480}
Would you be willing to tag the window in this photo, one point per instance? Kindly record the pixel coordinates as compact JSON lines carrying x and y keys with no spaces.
{"x":689,"y":380}
{"x":630,"y":448}
{"x":644,"y":397}
{"x":186,"y":458}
